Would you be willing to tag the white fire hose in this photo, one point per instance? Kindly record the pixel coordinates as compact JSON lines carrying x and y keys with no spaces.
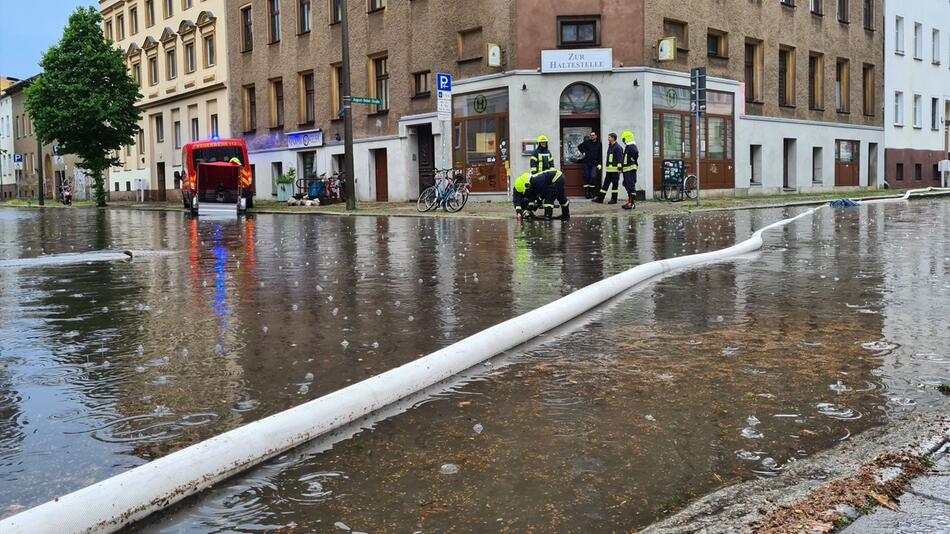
{"x":128,"y":497}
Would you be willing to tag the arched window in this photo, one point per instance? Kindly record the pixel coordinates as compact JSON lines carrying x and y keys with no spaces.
{"x":580,"y":99}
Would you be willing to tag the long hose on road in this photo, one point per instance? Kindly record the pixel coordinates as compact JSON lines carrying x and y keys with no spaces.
{"x":131,"y":496}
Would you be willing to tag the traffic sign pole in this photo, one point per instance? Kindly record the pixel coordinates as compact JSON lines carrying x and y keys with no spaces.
{"x":349,"y":178}
{"x":443,"y":86}
{"x":697,"y":89}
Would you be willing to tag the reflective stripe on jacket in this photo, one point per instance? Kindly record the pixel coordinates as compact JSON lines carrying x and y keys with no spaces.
{"x":630,"y":157}
{"x":614,"y":157}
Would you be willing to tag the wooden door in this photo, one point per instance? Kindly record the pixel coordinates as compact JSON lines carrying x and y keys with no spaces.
{"x":573,"y":132}
{"x":382,"y":175}
{"x":426,"y":156}
{"x":160,"y":170}
{"x":847,"y":166}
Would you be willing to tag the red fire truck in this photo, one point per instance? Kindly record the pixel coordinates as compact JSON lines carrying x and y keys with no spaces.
{"x":217,"y":176}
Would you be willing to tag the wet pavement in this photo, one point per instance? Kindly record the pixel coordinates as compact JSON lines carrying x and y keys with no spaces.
{"x":692,"y":382}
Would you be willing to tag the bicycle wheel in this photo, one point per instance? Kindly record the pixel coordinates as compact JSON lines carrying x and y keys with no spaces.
{"x":427,"y":200}
{"x":689,"y":186}
{"x":464,"y":192}
{"x":454,"y":200}
{"x":669,"y":192}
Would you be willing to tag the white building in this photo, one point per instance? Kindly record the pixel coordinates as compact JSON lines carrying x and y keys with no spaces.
{"x":7,"y":174}
{"x":916,"y":91}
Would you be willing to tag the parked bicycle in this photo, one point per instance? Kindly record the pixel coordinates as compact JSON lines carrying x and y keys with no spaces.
{"x":450,"y":192}
{"x":677,"y":190}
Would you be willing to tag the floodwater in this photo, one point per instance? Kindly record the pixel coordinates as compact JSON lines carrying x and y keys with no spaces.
{"x":691,"y":382}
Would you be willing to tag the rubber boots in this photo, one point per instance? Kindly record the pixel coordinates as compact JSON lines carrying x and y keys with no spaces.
{"x":565,"y":213}
{"x":599,"y":198}
{"x":613,"y":198}
{"x":548,"y":214}
{"x":631,"y":204}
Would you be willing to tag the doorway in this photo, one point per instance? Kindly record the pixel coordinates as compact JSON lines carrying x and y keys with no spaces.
{"x":160,"y":171}
{"x":382,"y":175}
{"x":847,"y":162}
{"x":788,"y":165}
{"x":872,"y":165}
{"x":579,"y":111}
{"x":426,"y":156}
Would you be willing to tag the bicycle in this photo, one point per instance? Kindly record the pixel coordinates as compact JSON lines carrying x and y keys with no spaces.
{"x":450,"y":192}
{"x":674,"y":190}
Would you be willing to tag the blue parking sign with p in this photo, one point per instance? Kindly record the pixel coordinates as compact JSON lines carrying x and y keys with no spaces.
{"x":443,"y":82}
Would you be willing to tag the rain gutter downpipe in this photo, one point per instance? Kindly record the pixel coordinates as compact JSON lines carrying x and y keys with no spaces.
{"x":123,"y":499}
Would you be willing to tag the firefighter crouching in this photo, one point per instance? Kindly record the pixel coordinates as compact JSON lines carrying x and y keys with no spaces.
{"x":614,"y":165}
{"x":533,"y":191}
{"x":630,"y":157}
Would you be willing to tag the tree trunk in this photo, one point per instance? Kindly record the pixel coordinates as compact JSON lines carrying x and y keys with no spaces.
{"x":100,"y":194}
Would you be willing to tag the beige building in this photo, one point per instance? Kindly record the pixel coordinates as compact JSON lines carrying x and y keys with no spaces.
{"x":176,"y":52}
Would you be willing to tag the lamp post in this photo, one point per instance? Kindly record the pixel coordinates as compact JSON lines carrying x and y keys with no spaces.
{"x":349,"y":185}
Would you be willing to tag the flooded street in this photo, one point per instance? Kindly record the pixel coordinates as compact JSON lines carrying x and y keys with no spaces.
{"x":691,"y":382}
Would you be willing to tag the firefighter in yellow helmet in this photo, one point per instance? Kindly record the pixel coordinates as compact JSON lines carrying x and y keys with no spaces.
{"x":541,"y":159}
{"x":629,"y":168}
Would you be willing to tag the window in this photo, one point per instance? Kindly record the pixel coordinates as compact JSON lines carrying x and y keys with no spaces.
{"x":816,"y":77}
{"x":273,"y":10}
{"x":120,"y":27}
{"x":380,"y":87}
{"x":680,"y":30}
{"x":133,"y":20}
{"x":470,"y":44}
{"x":843,"y":15}
{"x":141,"y":142}
{"x":843,"y":86}
{"x":376,"y":5}
{"x":276,"y":103}
{"x":817,"y":7}
{"x":898,"y":108}
{"x":276,"y":169}
{"x":108,"y":31}
{"x":195,"y":132}
{"x":214,"y":125}
{"x":900,"y":172}
{"x":187,"y":4}
{"x":754,"y":58}
{"x":171,"y":65}
{"x":936,"y":46}
{"x":420,"y":83}
{"x":899,"y":36}
{"x":137,"y":73}
{"x":336,"y":11}
{"x":303,"y":16}
{"x":169,"y":8}
{"x":153,"y":71}
{"x":918,"y":113}
{"x":868,"y":81}
{"x":247,"y":29}
{"x":786,"y":77}
{"x":159,"y":129}
{"x":717,"y":44}
{"x":936,"y":171}
{"x":336,"y":90}
{"x":868,"y":14}
{"x":934,"y":114}
{"x":918,"y":171}
{"x":307,"y":113}
{"x":117,"y":187}
{"x":191,"y":63}
{"x":816,"y":164}
{"x":210,"y":58}
{"x":250,"y":108}
{"x":128,"y":185}
{"x":177,"y":133}
{"x":573,"y":32}
{"x":918,"y":41}
{"x":149,"y":13}
{"x":789,"y":3}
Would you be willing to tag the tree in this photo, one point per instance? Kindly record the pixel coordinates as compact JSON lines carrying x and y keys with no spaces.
{"x":85,"y":98}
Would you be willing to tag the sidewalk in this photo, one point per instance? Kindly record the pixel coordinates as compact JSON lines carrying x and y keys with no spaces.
{"x":924,"y":508}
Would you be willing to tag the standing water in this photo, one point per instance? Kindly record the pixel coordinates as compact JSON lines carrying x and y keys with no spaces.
{"x":691,"y":382}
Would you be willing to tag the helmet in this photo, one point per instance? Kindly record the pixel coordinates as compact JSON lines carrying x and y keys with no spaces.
{"x":523,"y":182}
{"x":235,"y":161}
{"x":542,"y":139}
{"x":627,"y":137}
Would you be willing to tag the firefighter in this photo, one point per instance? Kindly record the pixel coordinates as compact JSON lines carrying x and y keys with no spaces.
{"x":593,"y":158}
{"x":541,"y":160}
{"x":614,"y":164}
{"x":630,"y":166}
{"x":520,"y":195}
{"x":554,"y":192}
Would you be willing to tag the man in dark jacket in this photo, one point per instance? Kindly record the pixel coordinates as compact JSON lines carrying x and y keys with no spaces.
{"x":593,"y":158}
{"x":614,"y":165}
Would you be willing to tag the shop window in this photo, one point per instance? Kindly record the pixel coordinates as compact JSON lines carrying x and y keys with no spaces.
{"x":843,"y":86}
{"x":574,"y":32}
{"x":816,"y":76}
{"x":679,"y":30}
{"x":786,"y":77}
{"x":480,"y":138}
{"x":470,"y":45}
{"x":717,"y":44}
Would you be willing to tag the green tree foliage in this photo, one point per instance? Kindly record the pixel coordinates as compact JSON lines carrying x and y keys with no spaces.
{"x":85,"y":98}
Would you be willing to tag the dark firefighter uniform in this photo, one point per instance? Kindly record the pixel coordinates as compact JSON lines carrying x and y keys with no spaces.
{"x":553,"y":184}
{"x":541,"y":159}
{"x":593,"y":160}
{"x":614,"y":166}
{"x":521,"y":195}
{"x":531,"y":191}
{"x":630,"y":157}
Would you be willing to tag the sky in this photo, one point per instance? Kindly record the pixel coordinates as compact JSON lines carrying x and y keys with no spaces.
{"x":28,"y":28}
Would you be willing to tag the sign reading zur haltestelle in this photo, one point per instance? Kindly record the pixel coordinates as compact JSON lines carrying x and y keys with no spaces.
{"x":583,"y":60}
